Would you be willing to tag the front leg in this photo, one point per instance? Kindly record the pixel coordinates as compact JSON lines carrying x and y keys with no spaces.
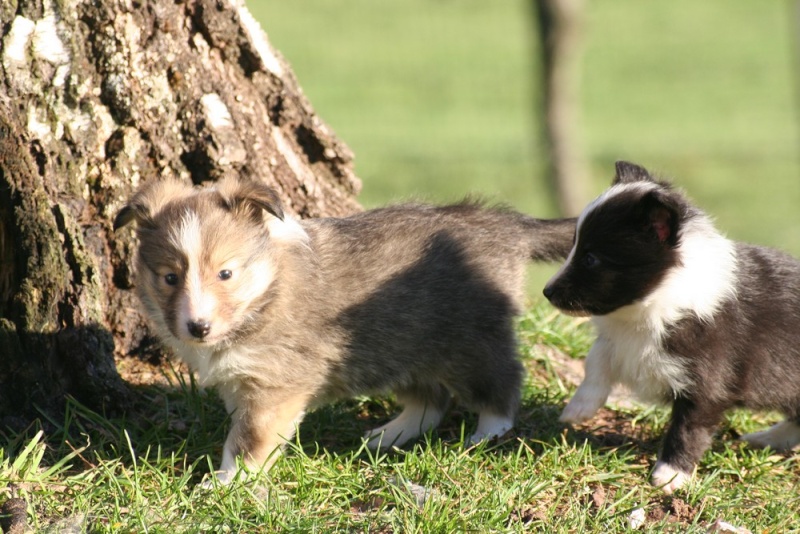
{"x":689,"y":435}
{"x":261,"y":423}
{"x":596,"y":385}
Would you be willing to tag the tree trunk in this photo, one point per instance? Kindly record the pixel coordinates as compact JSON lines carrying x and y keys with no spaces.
{"x":95,"y":98}
{"x":560,"y":24}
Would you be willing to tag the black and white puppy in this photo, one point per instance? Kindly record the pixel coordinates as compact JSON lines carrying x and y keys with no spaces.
{"x":683,"y":315}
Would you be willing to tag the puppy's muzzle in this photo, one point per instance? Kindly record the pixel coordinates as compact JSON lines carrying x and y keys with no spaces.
{"x":559,"y":298}
{"x":199,"y":328}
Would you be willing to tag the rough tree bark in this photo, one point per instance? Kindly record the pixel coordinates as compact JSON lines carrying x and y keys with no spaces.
{"x":97,"y":96}
{"x":560,"y":25}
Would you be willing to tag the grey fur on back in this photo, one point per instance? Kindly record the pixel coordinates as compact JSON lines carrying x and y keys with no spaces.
{"x":417,"y":295}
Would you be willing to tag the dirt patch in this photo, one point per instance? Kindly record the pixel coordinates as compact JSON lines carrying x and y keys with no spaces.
{"x":672,"y":509}
{"x":152,"y":369}
{"x":527,"y":515}
{"x":601,"y":495}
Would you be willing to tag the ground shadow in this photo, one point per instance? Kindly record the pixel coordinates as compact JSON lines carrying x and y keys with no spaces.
{"x":181,"y":418}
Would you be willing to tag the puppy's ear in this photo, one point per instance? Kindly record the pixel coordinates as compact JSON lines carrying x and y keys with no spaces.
{"x":149,"y":200}
{"x":127,"y":214}
{"x":250,"y":197}
{"x":661,"y":213}
{"x":630,"y":172}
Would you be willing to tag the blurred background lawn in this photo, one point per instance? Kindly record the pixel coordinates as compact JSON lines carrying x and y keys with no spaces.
{"x":438,"y":98}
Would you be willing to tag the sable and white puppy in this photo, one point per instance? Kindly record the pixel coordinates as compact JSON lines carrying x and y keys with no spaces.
{"x":282,"y":315}
{"x":683,"y":315}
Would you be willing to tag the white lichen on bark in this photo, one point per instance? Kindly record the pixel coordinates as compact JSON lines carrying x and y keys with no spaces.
{"x":46,"y":42}
{"x":258,"y":38}
{"x":295,"y":164}
{"x":228,"y":148}
{"x":216,"y":111}
{"x":17,"y":41}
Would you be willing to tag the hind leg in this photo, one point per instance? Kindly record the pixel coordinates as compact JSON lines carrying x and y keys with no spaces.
{"x":495,"y":395}
{"x":783,"y":436}
{"x":423,"y":409}
{"x":491,"y":425}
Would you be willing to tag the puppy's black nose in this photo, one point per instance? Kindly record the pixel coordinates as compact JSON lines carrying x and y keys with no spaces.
{"x":548,"y":291}
{"x":199,"y":328}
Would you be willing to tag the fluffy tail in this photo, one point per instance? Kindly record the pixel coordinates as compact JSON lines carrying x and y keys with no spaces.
{"x":550,"y":239}
{"x":539,"y":239}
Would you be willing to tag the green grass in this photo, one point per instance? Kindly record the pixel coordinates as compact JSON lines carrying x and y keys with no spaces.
{"x":139,"y":472}
{"x":438,"y":98}
{"x":435,"y":98}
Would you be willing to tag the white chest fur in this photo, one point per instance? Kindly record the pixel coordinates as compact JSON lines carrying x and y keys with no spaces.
{"x":212,"y":367}
{"x":634,"y":357}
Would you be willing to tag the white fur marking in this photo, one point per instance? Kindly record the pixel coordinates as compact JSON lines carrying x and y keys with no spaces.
{"x":783,"y":436}
{"x":490,"y":425}
{"x":705,"y":279}
{"x":415,"y":419}
{"x":259,"y":276}
{"x":588,"y":399}
{"x":199,"y":360}
{"x":668,"y":478}
{"x":191,"y":243}
{"x":195,"y":303}
{"x":636,"y":359}
{"x":595,"y":387}
{"x":188,"y":237}
{"x":228,"y":467}
{"x":286,"y":230}
{"x":223,"y":368}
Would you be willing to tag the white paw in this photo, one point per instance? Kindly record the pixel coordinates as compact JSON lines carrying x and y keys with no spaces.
{"x":582,"y":407}
{"x":386,"y":437}
{"x":668,"y":478}
{"x":415,"y":419}
{"x":490,"y":426}
{"x":218,"y":478}
{"x":781,"y":437}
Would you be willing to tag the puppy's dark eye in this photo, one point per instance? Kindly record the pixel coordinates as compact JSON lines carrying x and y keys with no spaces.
{"x":171,"y":279}
{"x":590,"y":260}
{"x":225,"y":274}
